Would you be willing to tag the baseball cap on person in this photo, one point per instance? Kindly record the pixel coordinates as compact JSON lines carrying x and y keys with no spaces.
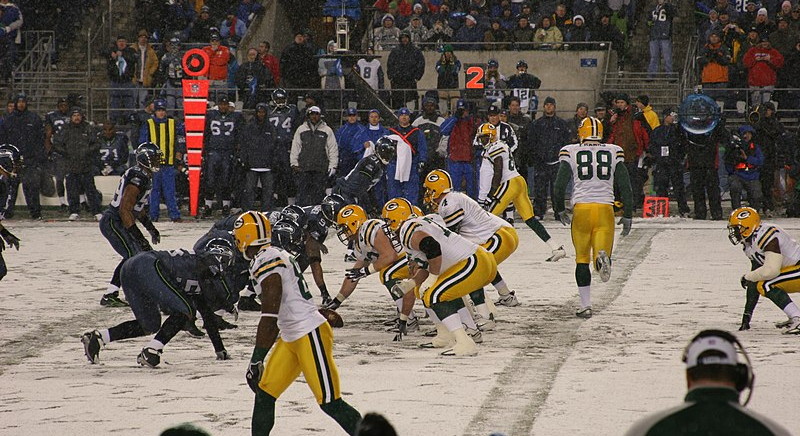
{"x":403,"y":111}
{"x":643,"y":99}
{"x":550,"y":100}
{"x":493,"y":110}
{"x":710,"y":350}
{"x":762,"y":11}
{"x":461,"y":103}
{"x":160,"y":104}
{"x":493,"y":63}
{"x":314,"y":110}
{"x":352,"y":111}
{"x":222,"y":99}
{"x":75,"y":110}
{"x":582,"y":105}
{"x":205,"y":9}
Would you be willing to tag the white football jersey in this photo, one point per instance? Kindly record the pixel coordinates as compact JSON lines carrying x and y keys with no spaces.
{"x":298,"y":315}
{"x":474,"y":223}
{"x":593,"y":166}
{"x":364,"y":247}
{"x":500,"y":150}
{"x":370,"y":71}
{"x":454,"y":247}
{"x":765,"y":233}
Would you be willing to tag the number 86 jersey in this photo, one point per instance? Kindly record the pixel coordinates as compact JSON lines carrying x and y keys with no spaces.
{"x":592,"y":166}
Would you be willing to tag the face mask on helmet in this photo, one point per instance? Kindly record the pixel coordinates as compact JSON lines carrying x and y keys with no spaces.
{"x":148,"y":156}
{"x":742,"y":223}
{"x":348,"y":220}
{"x":218,"y":255}
{"x":295,"y":214}
{"x":288,"y":236}
{"x":279,"y":97}
{"x":330,"y":207}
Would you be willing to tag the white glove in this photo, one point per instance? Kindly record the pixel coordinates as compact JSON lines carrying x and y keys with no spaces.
{"x":423,"y":288}
{"x":402,"y":288}
{"x":331,"y":172}
{"x":106,"y":170}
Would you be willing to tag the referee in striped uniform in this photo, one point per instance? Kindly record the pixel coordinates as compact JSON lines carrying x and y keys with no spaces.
{"x":169,"y":135}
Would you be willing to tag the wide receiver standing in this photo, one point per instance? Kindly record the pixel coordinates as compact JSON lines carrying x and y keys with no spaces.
{"x":595,"y":169}
{"x":774,"y":256}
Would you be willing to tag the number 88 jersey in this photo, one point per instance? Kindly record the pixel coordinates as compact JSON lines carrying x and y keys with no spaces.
{"x":592,"y":166}
{"x":500,"y":150}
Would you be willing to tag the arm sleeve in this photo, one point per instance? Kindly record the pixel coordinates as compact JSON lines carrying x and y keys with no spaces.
{"x":422,"y":146}
{"x":752,"y":300}
{"x":623,"y":182}
{"x":296,"y":146}
{"x":560,"y":187}
{"x":447,"y":125}
{"x":333,"y":151}
{"x":769,"y":270}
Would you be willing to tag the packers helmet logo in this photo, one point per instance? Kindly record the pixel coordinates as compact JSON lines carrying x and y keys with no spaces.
{"x":742,"y":215}
{"x":433,"y":177}
{"x":347,"y":212}
{"x":392,"y":205}
{"x":238,"y":223}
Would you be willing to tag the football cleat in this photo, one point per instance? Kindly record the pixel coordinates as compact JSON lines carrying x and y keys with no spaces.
{"x":249,"y":304}
{"x":793,"y":327}
{"x":92,"y":343}
{"x":192,"y":329}
{"x":783,"y":324}
{"x":475,"y":334}
{"x":603,"y":265}
{"x":149,"y":357}
{"x":222,"y":324}
{"x":557,"y":254}
{"x":584,"y":313}
{"x":442,"y":339}
{"x":485,"y":324}
{"x":509,"y":300}
{"x":113,"y":300}
{"x":73,"y":217}
{"x":392,"y":322}
{"x":412,"y":325}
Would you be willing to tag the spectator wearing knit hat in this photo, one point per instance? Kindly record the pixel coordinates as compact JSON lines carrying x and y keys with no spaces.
{"x":762,"y":63}
{"x":387,"y":36}
{"x":763,"y":24}
{"x":578,"y":32}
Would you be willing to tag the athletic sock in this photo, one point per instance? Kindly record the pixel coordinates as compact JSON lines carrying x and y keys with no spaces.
{"x":112,"y":289}
{"x":453,"y":322}
{"x":791,"y":310}
{"x":466,"y":318}
{"x":344,"y":414}
{"x":155,"y":344}
{"x":585,"y":293}
{"x":105,"y":335}
{"x":538,"y":228}
{"x":263,"y":413}
{"x":500,"y":285}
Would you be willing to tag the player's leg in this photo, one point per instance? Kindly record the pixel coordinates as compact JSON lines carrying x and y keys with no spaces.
{"x":389,"y":276}
{"x":123,"y":244}
{"x":602,"y":238}
{"x":3,"y":269}
{"x":316,"y":362}
{"x":281,"y":369}
{"x":581,"y":231}
{"x":504,"y":242}
{"x":518,"y":193}
{"x":777,"y":290}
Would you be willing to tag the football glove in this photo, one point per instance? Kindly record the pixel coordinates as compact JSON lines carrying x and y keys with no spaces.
{"x":137,"y":236}
{"x":235,"y":312}
{"x":333,"y":304}
{"x":563,"y":216}
{"x":745,"y":322}
{"x":401,"y":330}
{"x":254,"y":373}
{"x":626,"y":225}
{"x":223,"y":355}
{"x":745,"y":283}
{"x":155,"y":236}
{"x":402,"y":288}
{"x":10,"y":239}
{"x":356,"y":274}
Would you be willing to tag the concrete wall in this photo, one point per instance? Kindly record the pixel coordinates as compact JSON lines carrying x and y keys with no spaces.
{"x":107,"y":185}
{"x":561,"y":72}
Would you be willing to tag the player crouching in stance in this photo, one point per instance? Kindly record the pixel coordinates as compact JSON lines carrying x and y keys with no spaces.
{"x":464,"y":216}
{"x":446,"y":268}
{"x":178,"y":282}
{"x":774,"y":256}
{"x":9,"y":163}
{"x":306,"y":339}
{"x":509,"y":187}
{"x":376,"y":251}
{"x":595,"y":169}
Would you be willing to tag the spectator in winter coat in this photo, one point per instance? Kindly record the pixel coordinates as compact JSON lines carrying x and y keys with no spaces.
{"x":783,"y":38}
{"x":387,"y":36}
{"x":298,"y":66}
{"x":253,"y":80}
{"x":270,"y":61}
{"x":232,"y":30}
{"x":743,"y":160}
{"x":121,"y":66}
{"x":448,"y":68}
{"x":495,"y":36}
{"x":247,"y":11}
{"x":577,"y":32}
{"x":439,"y":33}
{"x":417,"y":30}
{"x":257,"y":146}
{"x":762,"y":63}
{"x":218,"y":59}
{"x":179,"y":15}
{"x":25,"y":130}
{"x":313,"y":158}
{"x":462,"y":157}
{"x":605,"y":31}
{"x":348,"y":136}
{"x":77,"y":142}
{"x":628,"y":132}
{"x":146,"y":66}
{"x":400,"y":184}
{"x":544,"y":139}
{"x":713,"y":60}
{"x":548,"y":35}
{"x":470,"y":32}
{"x":668,"y":150}
{"x":200,"y":29}
{"x":405,"y":68}
{"x":660,"y":22}
{"x":560,"y":18}
{"x":788,"y":78}
{"x":522,"y":35}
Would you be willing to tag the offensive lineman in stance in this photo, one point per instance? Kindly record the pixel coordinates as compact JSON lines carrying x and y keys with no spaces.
{"x":445,"y":268}
{"x":306,"y":339}
{"x":774,"y":256}
{"x":508,"y":187}
{"x":595,"y":169}
{"x":375,"y":251}
{"x":464,"y":216}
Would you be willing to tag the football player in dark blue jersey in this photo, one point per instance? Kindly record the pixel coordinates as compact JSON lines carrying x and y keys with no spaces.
{"x":53,"y":122}
{"x":220,"y":144}
{"x":285,"y":117}
{"x":118,"y":223}
{"x":9,"y":163}
{"x":315,"y":231}
{"x":114,"y":154}
{"x":178,"y":282}
{"x":356,"y":186}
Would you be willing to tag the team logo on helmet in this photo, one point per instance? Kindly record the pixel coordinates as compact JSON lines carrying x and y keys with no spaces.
{"x":744,"y":214}
{"x":392,"y":205}
{"x":433,"y":177}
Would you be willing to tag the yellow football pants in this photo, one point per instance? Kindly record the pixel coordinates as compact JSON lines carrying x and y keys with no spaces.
{"x":396,"y":271}
{"x":592,"y":230}
{"x":512,"y":191}
{"x":313,"y":356}
{"x":464,"y":277}
{"x":788,"y":281}
{"x":502,"y":244}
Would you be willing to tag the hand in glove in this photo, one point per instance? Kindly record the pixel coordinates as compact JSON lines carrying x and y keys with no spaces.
{"x":10,"y":239}
{"x":254,"y":373}
{"x":333,"y":304}
{"x":356,"y":274}
{"x":626,"y":226}
{"x":401,"y":330}
{"x":223,"y":355}
{"x":401,"y":288}
{"x":155,"y":236}
{"x":137,"y":236}
{"x":745,"y":283}
{"x":106,"y":170}
{"x":563,"y":216}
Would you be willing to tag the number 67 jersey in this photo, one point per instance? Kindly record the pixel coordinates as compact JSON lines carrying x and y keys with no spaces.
{"x":592,"y":167}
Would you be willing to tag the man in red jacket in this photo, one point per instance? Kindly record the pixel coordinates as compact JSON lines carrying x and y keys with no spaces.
{"x":628,"y":132}
{"x":762,"y":63}
{"x":461,"y":155}
{"x":218,"y":59}
{"x":270,"y":61}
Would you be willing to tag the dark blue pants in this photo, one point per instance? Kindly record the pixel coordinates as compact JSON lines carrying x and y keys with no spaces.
{"x":164,"y":186}
{"x":78,"y":184}
{"x":3,"y":269}
{"x":464,"y":172}
{"x":544,"y":178}
{"x":120,"y":240}
{"x":311,"y":187}
{"x":31,"y":186}
{"x":148,"y":289}
{"x":218,"y":167}
{"x":408,"y":190}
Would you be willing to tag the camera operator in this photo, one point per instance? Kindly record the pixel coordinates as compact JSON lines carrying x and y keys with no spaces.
{"x":668,"y":150}
{"x":743,"y":160}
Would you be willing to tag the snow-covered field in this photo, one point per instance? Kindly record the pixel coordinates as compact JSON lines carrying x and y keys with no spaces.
{"x":542,"y":371}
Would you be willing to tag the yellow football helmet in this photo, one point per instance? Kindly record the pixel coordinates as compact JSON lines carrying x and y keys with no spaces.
{"x":591,"y":129}
{"x":348,"y":220}
{"x":395,"y":211}
{"x":417,"y":211}
{"x":742,"y":223}
{"x":251,"y":229}
{"x":436,"y":183}
{"x":487,"y":134}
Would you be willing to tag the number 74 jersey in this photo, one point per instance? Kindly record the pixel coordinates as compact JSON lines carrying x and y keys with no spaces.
{"x":592,"y":168}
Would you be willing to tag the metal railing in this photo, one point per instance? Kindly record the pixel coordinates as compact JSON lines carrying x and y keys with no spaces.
{"x":689,"y":75}
{"x":39,"y":47}
{"x":509,"y":46}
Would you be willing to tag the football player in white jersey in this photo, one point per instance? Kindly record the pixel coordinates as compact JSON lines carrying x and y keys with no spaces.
{"x":465,"y":216}
{"x":595,"y":169}
{"x":287,"y":310}
{"x":376,"y":251}
{"x":775,"y":258}
{"x":446,"y":268}
{"x":508,"y":187}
